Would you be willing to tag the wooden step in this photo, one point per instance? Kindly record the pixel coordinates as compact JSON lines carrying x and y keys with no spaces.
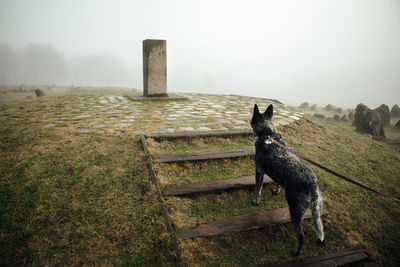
{"x":238,"y":223}
{"x":216,"y":133}
{"x":213,"y":185}
{"x":336,"y":258}
{"x":160,"y":199}
{"x":162,"y":158}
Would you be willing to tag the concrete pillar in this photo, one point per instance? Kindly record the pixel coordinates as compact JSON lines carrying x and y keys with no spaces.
{"x":154,"y":67}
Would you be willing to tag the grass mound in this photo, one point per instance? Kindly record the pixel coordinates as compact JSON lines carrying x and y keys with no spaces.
{"x":68,"y":198}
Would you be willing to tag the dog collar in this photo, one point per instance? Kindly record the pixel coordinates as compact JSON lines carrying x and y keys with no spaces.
{"x":267,"y":139}
{"x":268,"y":142}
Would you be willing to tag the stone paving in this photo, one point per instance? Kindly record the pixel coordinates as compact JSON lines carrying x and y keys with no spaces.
{"x":119,"y":115}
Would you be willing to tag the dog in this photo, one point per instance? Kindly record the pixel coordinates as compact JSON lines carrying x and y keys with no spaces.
{"x":288,"y":171}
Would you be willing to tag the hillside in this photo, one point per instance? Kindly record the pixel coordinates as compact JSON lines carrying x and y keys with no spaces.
{"x":71,"y":197}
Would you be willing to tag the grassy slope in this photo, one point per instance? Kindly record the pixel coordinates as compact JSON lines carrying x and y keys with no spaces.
{"x":356,"y":218}
{"x":359,"y":217}
{"x":73,"y":199}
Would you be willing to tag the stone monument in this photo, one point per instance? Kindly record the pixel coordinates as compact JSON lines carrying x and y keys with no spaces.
{"x":368,"y":121}
{"x":154,"y":67}
{"x":39,"y":92}
{"x":384,"y":112}
{"x":155,"y":73}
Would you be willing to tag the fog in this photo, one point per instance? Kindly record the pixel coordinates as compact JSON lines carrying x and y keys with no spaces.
{"x":341,"y":52}
{"x":43,"y":65}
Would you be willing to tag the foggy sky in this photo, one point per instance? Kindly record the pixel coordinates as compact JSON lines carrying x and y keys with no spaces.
{"x":341,"y":52}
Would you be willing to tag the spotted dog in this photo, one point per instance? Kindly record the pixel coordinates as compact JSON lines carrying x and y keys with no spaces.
{"x":294,"y":175}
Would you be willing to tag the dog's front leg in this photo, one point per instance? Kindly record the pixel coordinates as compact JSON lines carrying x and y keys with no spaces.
{"x":259,"y":185}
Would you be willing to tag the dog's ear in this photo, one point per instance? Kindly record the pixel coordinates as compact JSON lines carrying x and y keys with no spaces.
{"x":256,"y":114}
{"x":269,"y":112}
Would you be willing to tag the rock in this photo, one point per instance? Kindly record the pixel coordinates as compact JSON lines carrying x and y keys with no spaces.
{"x":368,"y":121}
{"x":336,"y":117}
{"x":305,"y":105}
{"x":338,"y":110}
{"x":395,"y":111}
{"x":345,"y":118}
{"x":329,"y":107}
{"x":313,"y":107}
{"x":82,"y":130}
{"x":99,"y":131}
{"x":385,"y":114}
{"x":320,"y":116}
{"x":39,"y":92}
{"x":351,"y":116}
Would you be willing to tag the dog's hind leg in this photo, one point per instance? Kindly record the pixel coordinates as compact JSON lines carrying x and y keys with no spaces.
{"x":300,"y":237}
{"x":275,"y":191}
{"x":259,"y":185}
{"x":297,"y":210}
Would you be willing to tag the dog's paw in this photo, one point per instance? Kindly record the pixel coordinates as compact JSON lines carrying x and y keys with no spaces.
{"x":295,"y":252}
{"x":256,"y":201}
{"x":275,"y":191}
{"x":321,"y":243}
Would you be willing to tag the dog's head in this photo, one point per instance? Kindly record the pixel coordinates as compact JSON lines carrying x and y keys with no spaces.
{"x":261,"y":123}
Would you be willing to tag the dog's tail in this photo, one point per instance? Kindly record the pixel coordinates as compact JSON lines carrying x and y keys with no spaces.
{"x":316,"y":210}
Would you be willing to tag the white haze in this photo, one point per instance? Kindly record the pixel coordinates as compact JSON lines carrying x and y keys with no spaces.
{"x":341,"y":52}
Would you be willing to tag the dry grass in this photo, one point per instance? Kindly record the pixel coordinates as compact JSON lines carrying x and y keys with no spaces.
{"x":356,"y":218}
{"x":7,"y":94}
{"x":199,"y":144}
{"x":85,"y":199}
{"x":190,"y":172}
{"x":75,"y":199}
